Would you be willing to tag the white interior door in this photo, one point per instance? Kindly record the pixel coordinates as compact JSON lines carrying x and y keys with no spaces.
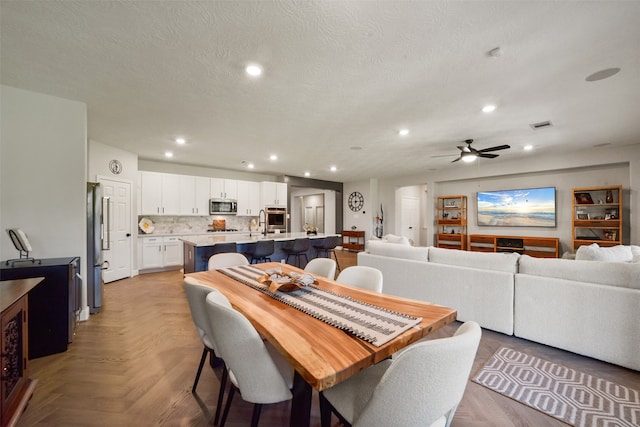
{"x":117,"y":220}
{"x":409,"y":217}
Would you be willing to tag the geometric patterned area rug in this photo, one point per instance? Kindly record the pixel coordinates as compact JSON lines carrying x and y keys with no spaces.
{"x":571,"y":396}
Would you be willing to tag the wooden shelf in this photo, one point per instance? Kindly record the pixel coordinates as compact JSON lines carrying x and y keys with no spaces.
{"x":355,"y":240}
{"x":451,"y":222}
{"x":597,"y":216}
{"x":539,"y":247}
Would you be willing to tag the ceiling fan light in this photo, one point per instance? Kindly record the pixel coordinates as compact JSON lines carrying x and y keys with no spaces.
{"x":468,"y":158}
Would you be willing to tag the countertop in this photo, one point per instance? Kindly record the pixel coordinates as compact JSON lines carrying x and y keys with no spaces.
{"x":241,"y":238}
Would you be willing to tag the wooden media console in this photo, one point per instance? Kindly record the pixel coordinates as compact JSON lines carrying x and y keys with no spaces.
{"x":540,"y":247}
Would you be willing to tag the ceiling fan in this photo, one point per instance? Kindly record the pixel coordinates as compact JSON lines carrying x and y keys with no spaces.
{"x":469,"y":154}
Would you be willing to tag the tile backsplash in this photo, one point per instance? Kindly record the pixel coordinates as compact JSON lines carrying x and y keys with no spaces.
{"x":167,"y":224}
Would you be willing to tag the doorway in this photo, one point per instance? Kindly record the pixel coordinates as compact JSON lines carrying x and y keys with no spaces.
{"x":313,"y":211}
{"x":117,"y":223}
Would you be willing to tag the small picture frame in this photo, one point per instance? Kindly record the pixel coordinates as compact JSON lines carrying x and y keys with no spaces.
{"x":611,"y":214}
{"x":583,"y":198}
{"x":610,"y":235}
{"x":582,"y":215}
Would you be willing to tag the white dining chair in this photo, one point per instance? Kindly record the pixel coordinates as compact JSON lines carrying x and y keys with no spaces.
{"x":361,"y":276}
{"x":196,"y":297}
{"x":227,"y":259}
{"x":255,"y":368}
{"x":421,"y":385}
{"x":325,"y":267}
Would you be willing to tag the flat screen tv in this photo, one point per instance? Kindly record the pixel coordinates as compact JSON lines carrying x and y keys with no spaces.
{"x":528,"y":207}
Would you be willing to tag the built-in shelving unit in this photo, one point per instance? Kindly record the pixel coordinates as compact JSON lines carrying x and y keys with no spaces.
{"x":597,"y":216}
{"x":539,"y":247}
{"x":451,"y":222}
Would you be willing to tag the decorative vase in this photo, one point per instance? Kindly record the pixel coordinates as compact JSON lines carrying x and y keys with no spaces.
{"x":609,"y":198}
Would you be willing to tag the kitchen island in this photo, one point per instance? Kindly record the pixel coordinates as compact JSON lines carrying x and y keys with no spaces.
{"x":198,"y":249}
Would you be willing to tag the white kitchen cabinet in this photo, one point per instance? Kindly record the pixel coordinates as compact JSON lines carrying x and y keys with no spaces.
{"x":172,"y":251}
{"x":151,"y":253}
{"x":159,"y":193}
{"x":274,"y":194}
{"x":159,"y":252}
{"x":194,"y":195}
{"x":248,"y":198}
{"x":224,"y":188}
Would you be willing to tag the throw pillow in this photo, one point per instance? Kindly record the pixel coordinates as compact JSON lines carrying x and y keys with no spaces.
{"x":594,"y":252}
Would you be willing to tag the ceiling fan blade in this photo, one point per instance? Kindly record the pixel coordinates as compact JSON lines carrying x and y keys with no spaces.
{"x":443,"y":155}
{"x":464,"y":148}
{"x":488,"y":156}
{"x":496,"y":148}
{"x":453,"y":161}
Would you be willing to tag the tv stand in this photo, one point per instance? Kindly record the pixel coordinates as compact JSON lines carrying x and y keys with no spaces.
{"x":539,"y":247}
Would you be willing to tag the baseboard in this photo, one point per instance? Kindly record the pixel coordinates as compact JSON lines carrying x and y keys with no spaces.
{"x":84,"y":314}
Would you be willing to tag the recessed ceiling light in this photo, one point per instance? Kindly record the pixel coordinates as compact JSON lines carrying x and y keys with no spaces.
{"x":181,"y":141}
{"x":168,"y":154}
{"x":253,"y":70}
{"x":307,"y":174}
{"x":488,"y":108}
{"x":333,"y":168}
{"x":403,"y":132}
{"x":250,"y":165}
{"x":528,"y":147}
{"x":273,"y":157}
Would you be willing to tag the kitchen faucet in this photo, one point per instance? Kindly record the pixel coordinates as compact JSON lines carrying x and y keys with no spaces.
{"x":263,"y":222}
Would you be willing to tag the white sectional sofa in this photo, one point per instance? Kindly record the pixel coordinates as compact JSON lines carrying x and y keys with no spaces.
{"x":587,"y":307}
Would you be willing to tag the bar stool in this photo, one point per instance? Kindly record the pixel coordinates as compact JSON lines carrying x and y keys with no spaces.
{"x":325,"y":247}
{"x":263,"y":251}
{"x":298,"y":248}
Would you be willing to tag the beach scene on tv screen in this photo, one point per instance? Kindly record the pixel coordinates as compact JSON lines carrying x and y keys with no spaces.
{"x":532,"y":207}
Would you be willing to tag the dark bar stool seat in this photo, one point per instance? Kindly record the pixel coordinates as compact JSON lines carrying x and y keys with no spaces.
{"x":325,"y":247}
{"x":262,"y":251}
{"x":297,"y":248}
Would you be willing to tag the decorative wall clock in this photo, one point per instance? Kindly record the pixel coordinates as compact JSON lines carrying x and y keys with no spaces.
{"x":356,"y":201}
{"x":115,"y":167}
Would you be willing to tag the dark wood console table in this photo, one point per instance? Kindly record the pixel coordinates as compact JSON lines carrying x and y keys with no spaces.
{"x":355,"y":240}
{"x":16,"y":388}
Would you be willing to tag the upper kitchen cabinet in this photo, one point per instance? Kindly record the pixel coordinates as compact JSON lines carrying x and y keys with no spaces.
{"x":159,"y":193}
{"x":274,"y":194}
{"x":248,"y":198}
{"x":224,"y":188}
{"x":194,"y":195}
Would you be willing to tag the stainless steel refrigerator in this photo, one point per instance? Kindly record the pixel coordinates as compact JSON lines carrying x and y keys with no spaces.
{"x":96,"y":243}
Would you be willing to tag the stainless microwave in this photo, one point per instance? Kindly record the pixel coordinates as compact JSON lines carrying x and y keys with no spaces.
{"x":222,"y":207}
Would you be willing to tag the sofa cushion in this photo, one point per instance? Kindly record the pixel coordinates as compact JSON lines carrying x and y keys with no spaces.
{"x":635,"y":251}
{"x":626,"y":275}
{"x":495,"y":261}
{"x":594,"y":252}
{"x":380,"y":247}
{"x":392,"y":238}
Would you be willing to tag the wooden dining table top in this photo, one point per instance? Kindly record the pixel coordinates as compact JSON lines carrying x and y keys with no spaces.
{"x":322,"y":354}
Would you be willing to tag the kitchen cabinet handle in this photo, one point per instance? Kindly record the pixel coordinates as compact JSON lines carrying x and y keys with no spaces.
{"x":106,"y":213}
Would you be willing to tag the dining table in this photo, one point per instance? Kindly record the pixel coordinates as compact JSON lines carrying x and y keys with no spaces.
{"x":322,"y":352}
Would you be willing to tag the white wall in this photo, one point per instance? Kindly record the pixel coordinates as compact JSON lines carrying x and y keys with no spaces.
{"x":590,"y":167}
{"x":43,"y":173}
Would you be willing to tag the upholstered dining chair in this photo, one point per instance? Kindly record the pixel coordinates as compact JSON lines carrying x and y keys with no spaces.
{"x":325,"y":267}
{"x":255,"y":368}
{"x":421,"y":385}
{"x":196,"y":297}
{"x":227,"y":259}
{"x":362,"y":276}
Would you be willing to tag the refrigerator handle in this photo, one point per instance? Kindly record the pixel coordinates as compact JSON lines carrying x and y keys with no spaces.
{"x":106,"y":209}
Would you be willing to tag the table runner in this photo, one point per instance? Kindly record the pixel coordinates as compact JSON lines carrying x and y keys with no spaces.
{"x":373,"y":324}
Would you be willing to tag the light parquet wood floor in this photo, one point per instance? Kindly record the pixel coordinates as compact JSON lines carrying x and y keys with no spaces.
{"x":134,"y":363}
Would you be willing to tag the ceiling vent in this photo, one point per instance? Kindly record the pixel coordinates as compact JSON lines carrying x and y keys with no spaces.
{"x":540,"y":125}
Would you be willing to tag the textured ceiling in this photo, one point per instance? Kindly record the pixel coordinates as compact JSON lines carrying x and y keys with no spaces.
{"x":337,"y":75}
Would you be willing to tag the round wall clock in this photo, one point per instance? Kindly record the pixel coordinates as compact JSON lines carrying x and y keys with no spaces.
{"x":115,"y":167}
{"x":356,"y":201}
